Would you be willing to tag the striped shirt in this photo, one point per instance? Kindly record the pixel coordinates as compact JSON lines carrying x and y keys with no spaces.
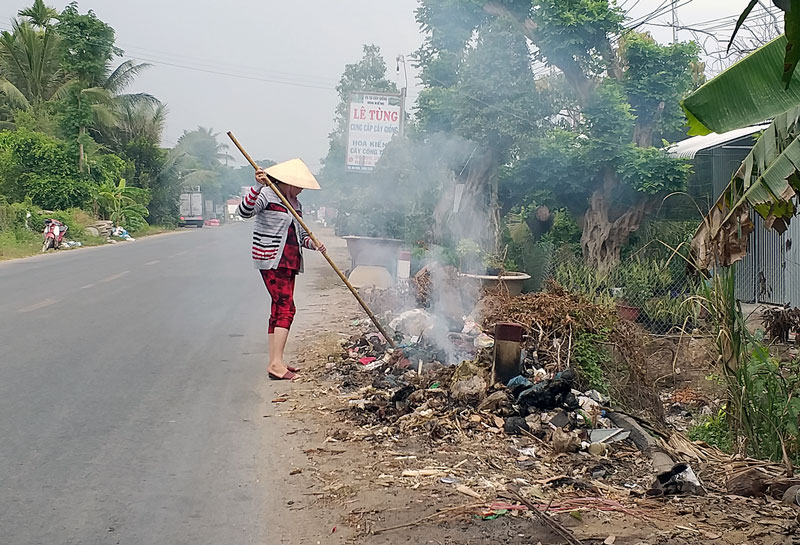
{"x":271,"y":228}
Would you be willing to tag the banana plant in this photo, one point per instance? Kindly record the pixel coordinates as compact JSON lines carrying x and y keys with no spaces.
{"x":745,"y":94}
{"x":122,"y":204}
{"x":791,"y":21}
{"x":767,"y":182}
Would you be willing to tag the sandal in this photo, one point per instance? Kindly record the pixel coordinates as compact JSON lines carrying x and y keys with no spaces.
{"x":293,"y":369}
{"x":288,"y":375}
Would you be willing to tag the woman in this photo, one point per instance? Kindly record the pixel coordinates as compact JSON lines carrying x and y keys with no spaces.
{"x":278,"y":240}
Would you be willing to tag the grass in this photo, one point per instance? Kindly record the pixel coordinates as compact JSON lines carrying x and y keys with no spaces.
{"x":16,"y":245}
{"x":150,"y":230}
{"x":21,"y":243}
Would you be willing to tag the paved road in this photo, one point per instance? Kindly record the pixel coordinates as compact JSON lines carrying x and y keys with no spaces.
{"x":132,"y":396}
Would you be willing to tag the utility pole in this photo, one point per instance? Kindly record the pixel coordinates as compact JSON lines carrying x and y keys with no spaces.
{"x":674,"y":21}
{"x":403,"y":92}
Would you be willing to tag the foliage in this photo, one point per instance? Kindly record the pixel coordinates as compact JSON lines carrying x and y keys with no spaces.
{"x":591,"y":356}
{"x":669,"y":311}
{"x":715,"y":431}
{"x":763,"y":406}
{"x":767,"y":181}
{"x":41,"y":167}
{"x":792,"y":32}
{"x":655,"y":81}
{"x":88,"y":45}
{"x":759,"y":95}
{"x":30,"y":66}
{"x":780,"y":322}
{"x":769,"y":400}
{"x":565,"y":232}
{"x":122,"y":204}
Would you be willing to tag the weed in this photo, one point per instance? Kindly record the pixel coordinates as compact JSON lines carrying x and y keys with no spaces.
{"x":590,"y":356}
{"x":715,"y":431}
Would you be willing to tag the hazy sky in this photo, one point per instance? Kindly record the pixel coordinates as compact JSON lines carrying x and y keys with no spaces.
{"x":216,"y":64}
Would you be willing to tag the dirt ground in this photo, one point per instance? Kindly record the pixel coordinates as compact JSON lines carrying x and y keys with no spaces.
{"x":360,"y":482}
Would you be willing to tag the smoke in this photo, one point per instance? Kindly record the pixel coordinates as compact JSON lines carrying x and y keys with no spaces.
{"x":433,"y":195}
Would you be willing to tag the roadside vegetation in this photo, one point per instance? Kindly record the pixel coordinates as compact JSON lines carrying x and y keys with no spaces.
{"x":76,"y":145}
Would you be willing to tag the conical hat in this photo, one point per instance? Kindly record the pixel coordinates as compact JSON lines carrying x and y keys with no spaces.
{"x":295,"y":173}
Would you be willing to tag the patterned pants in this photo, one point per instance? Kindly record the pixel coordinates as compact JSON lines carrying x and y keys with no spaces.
{"x":280,"y":285}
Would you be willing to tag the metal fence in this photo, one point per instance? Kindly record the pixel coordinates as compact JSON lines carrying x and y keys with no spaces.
{"x":659,"y":294}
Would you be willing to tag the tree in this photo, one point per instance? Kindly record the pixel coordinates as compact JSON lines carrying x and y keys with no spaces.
{"x":792,"y":34}
{"x":200,"y":161}
{"x":40,"y":167}
{"x":30,"y":66}
{"x":480,"y":88}
{"x":39,"y":14}
{"x":628,"y":98}
{"x":88,"y":48}
{"x":768,"y":180}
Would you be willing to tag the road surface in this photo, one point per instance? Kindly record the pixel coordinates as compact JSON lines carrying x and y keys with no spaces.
{"x":133,"y":399}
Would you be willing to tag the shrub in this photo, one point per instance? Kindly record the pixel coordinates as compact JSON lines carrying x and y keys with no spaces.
{"x":590,"y":356}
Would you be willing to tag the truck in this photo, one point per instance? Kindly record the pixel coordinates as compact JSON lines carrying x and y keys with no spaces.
{"x":191,"y":208}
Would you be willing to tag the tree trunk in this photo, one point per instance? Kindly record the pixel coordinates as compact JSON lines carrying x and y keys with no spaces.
{"x":495,"y":221}
{"x":604,"y":237}
{"x":81,"y":157}
{"x":473,"y":220}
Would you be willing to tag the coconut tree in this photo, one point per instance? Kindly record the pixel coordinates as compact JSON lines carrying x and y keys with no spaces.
{"x":30,"y":71}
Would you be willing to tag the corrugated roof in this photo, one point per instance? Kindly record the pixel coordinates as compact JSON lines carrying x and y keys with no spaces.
{"x":692,"y":146}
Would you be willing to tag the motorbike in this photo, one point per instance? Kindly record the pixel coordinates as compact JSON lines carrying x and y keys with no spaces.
{"x":54,"y":232}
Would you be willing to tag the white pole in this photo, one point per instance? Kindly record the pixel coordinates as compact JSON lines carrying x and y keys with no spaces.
{"x":674,"y":21}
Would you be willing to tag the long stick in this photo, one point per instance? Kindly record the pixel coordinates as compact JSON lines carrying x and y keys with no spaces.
{"x":546,"y":519}
{"x":299,"y":219}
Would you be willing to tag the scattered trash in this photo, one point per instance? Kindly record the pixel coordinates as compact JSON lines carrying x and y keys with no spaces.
{"x":611,"y":435}
{"x":467,"y":491}
{"x":120,"y":232}
{"x":413,"y":322}
{"x":470,"y":391}
{"x":681,"y":479}
{"x":483,"y":341}
{"x":516,"y":425}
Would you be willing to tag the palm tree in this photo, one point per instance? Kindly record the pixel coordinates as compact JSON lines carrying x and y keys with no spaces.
{"x":39,"y":14}
{"x":134,"y":121}
{"x":109,"y":100}
{"x":201,"y":157}
{"x":30,"y":72}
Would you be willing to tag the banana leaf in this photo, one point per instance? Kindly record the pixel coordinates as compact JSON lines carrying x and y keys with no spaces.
{"x":791,"y":29}
{"x":767,"y":182}
{"x":746,"y":93}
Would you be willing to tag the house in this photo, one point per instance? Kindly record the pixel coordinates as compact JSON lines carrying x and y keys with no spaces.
{"x":770,"y":272}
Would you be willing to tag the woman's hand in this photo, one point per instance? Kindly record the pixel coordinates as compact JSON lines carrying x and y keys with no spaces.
{"x":261,"y":176}
{"x":320,"y":248}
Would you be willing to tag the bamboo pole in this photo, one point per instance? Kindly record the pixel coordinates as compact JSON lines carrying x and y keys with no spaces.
{"x":316,"y":242}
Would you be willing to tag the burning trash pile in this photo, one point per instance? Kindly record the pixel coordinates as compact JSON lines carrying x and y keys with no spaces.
{"x":514,"y":363}
{"x":505,"y":390}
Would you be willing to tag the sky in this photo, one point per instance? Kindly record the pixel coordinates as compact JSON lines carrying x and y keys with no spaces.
{"x":267,"y":69}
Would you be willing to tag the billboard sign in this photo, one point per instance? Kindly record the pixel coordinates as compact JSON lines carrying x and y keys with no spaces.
{"x":373,"y":120}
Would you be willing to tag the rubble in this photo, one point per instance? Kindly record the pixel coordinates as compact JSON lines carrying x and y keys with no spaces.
{"x":561,"y":444}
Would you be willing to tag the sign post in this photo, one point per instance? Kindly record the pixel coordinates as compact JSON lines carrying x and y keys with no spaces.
{"x":373,"y":120}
